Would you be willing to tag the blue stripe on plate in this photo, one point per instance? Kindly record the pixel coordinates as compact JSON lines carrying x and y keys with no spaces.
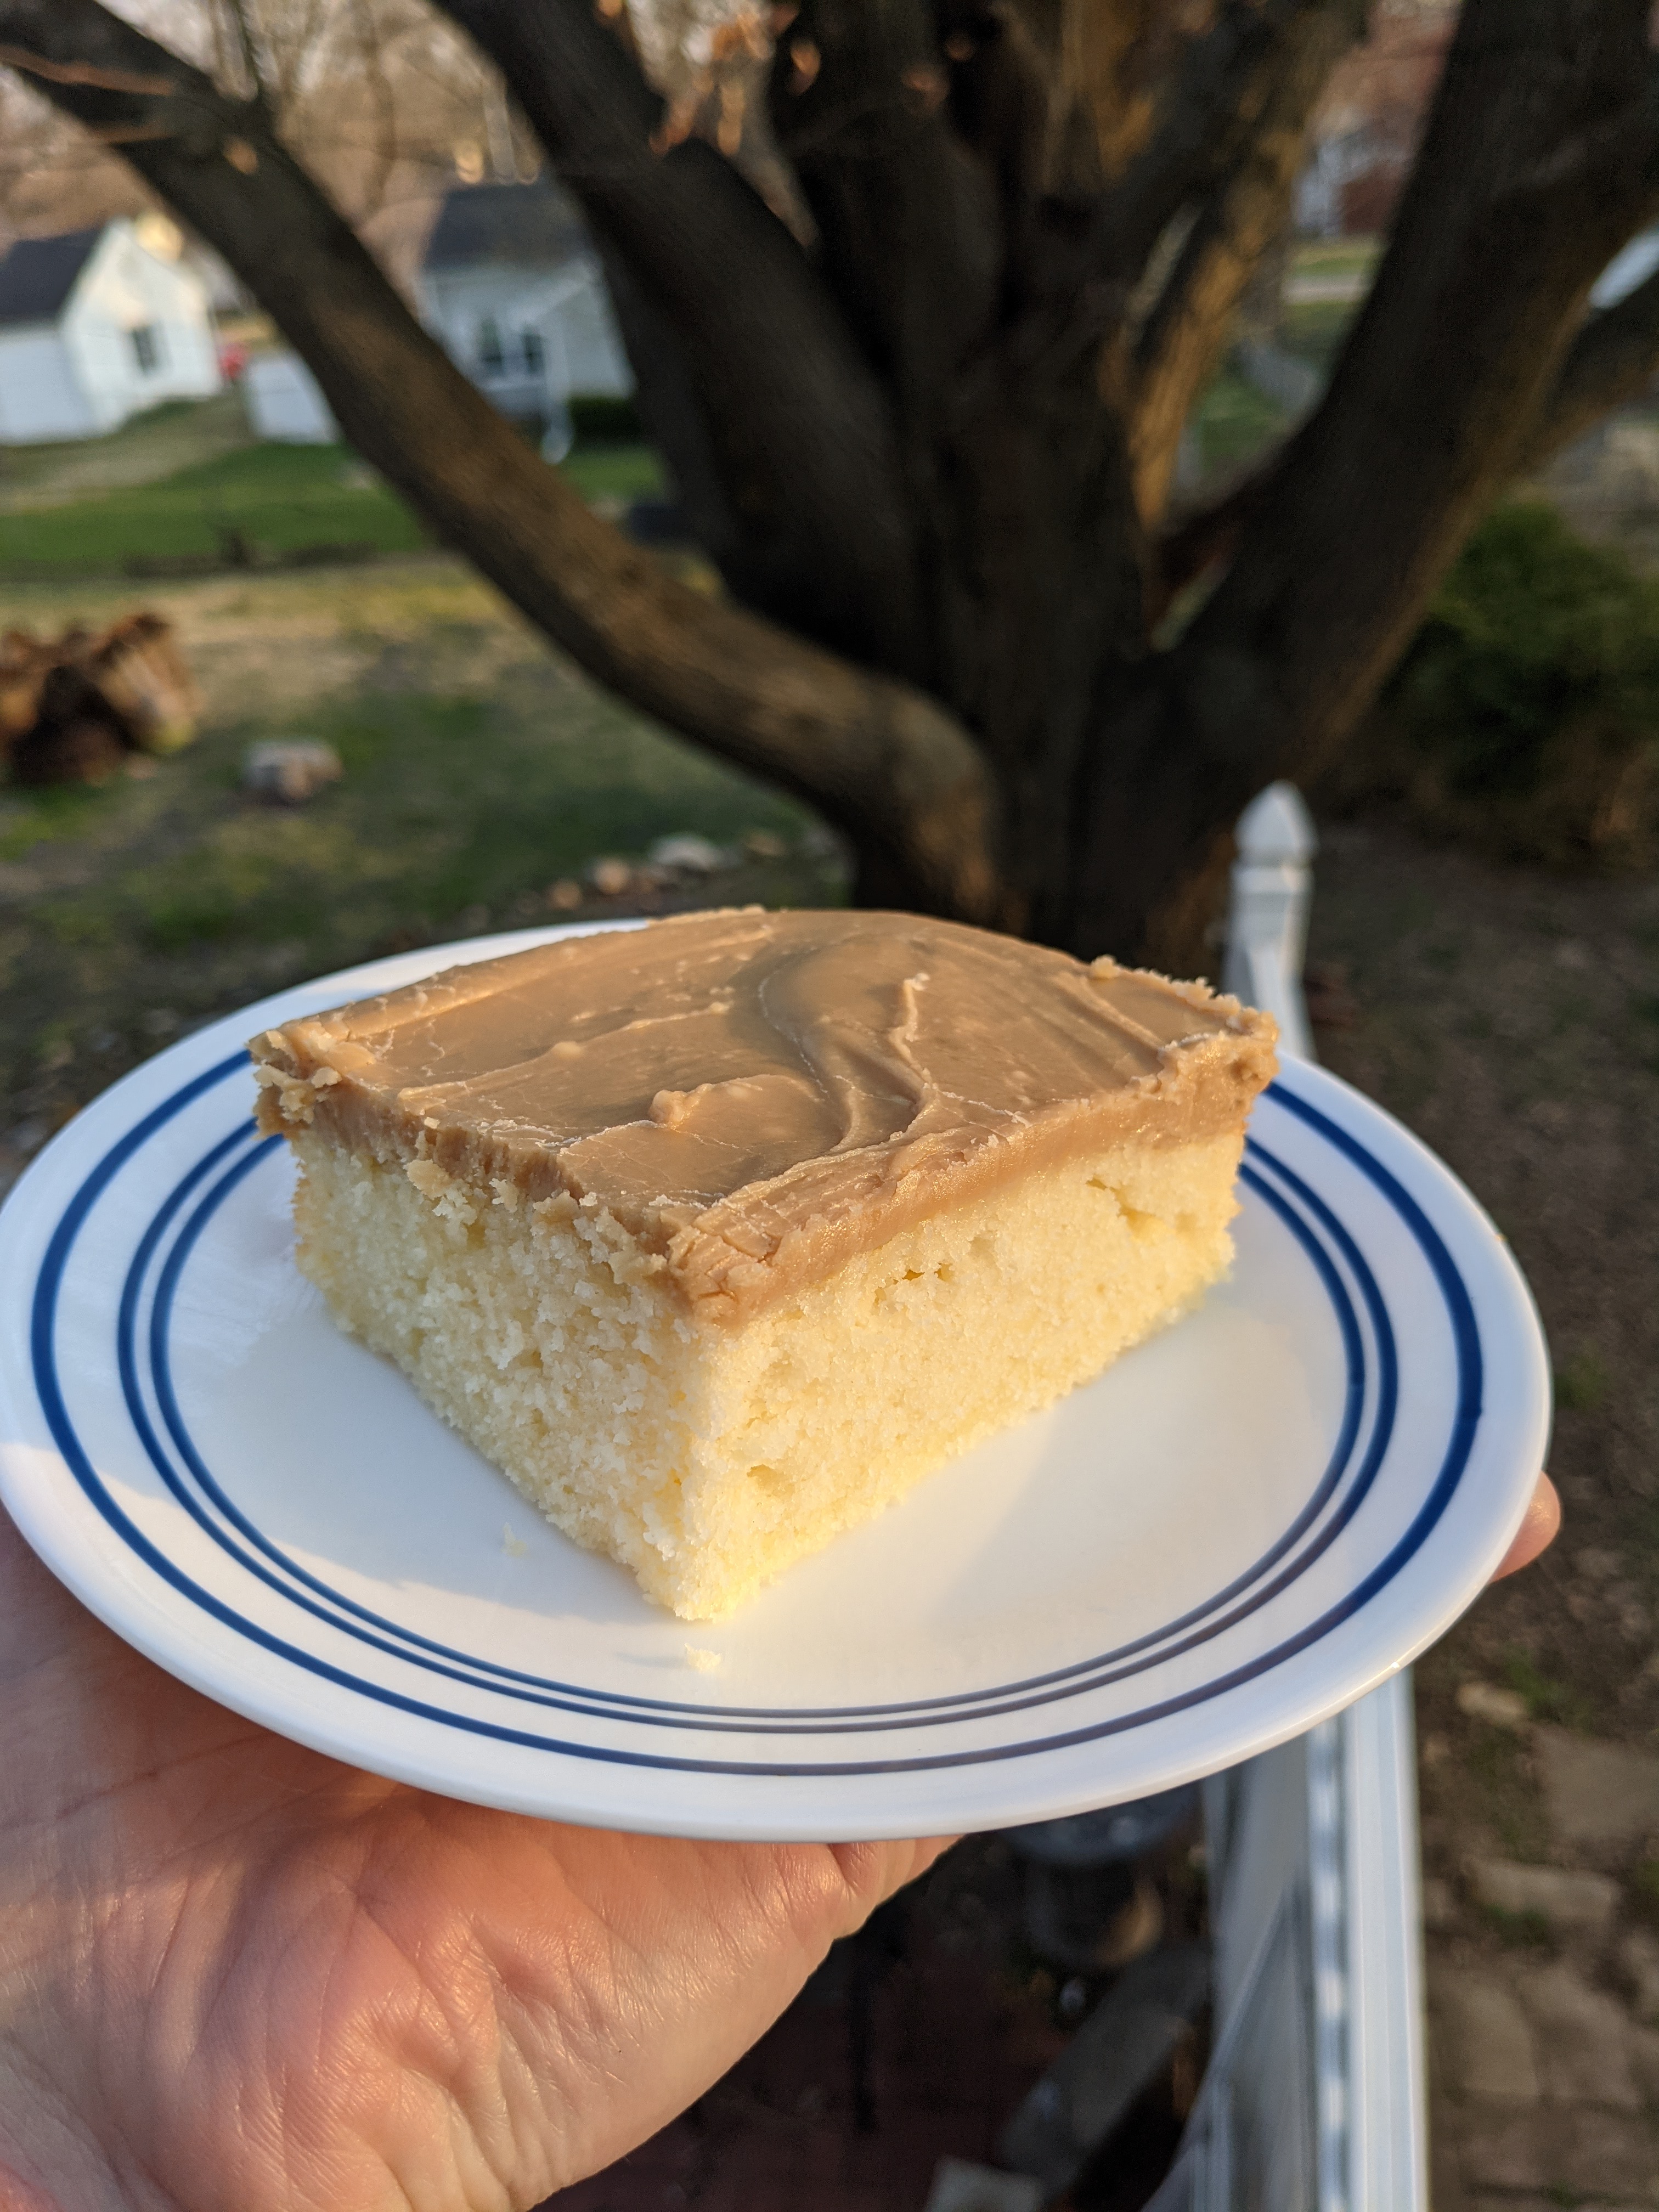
{"x":1465,"y":1336}
{"x":1081,"y":1675}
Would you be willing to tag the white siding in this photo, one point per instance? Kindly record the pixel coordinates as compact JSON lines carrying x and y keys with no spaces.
{"x":567,"y":310}
{"x":284,"y":403}
{"x":582,"y":328}
{"x":122,"y":290}
{"x":39,"y":396}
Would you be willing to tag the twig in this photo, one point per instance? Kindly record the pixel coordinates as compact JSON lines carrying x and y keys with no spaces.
{"x":86,"y":73}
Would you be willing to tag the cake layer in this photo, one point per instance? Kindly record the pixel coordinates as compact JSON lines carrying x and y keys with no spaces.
{"x":755,"y":1099}
{"x":707,"y":1458}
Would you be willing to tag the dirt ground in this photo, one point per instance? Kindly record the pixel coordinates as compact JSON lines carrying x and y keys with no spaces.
{"x":1511,"y":1018}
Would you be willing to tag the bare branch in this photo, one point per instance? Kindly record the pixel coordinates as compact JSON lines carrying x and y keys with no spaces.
{"x":887,"y":764}
{"x":909,"y":227}
{"x":1214,"y":111}
{"x":84,"y":73}
{"x":1611,"y":362}
{"x":799,"y":426}
{"x":1449,"y":361}
{"x":1208,"y":535}
{"x":1188,"y":330}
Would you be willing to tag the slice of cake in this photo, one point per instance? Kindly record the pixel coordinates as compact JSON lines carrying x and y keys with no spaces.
{"x":716,"y":1235}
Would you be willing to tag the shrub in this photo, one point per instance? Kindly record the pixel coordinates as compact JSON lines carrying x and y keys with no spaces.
{"x":1524,"y":716}
{"x":600,"y":419}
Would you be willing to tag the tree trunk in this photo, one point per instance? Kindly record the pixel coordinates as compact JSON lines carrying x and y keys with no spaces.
{"x":930,"y":452}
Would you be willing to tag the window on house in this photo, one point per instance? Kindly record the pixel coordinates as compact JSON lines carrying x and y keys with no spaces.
{"x":146,"y":348}
{"x":535,"y":353}
{"x":492,"y":353}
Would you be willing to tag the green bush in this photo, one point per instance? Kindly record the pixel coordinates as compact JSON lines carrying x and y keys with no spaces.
{"x":1524,"y":714}
{"x":600,"y":419}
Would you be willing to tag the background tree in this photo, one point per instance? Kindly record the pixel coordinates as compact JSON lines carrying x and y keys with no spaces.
{"x":922,"y":375}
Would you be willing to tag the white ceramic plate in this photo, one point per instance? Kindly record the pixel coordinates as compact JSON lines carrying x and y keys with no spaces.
{"x":1240,"y":1527}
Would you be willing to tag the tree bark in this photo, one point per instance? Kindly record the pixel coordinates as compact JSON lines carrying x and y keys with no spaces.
{"x":1610,"y":363}
{"x":1539,"y":162}
{"x":801,"y":433}
{"x":1188,"y":330}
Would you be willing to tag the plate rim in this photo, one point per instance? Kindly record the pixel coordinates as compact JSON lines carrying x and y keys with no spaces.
{"x":1504,"y":1285}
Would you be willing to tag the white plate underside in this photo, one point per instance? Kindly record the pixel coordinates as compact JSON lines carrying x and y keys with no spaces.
{"x":1241,"y":1526}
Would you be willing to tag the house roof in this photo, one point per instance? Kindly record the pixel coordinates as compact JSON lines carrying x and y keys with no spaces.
{"x":39,"y":274}
{"x":516,"y":225}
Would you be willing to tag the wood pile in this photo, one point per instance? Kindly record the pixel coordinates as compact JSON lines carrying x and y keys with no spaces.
{"x":73,"y":708}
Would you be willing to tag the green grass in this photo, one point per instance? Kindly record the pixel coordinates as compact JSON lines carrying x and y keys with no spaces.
{"x":1315,"y":329}
{"x":275,"y":499}
{"x":1335,"y":257}
{"x":1233,"y":421}
{"x":156,"y":443}
{"x":279,"y":499}
{"x":603,"y":471}
{"x":1529,"y":1931}
{"x":1546,"y":1700}
{"x":479,"y":768}
{"x":1581,"y":1382}
{"x":447,"y":803}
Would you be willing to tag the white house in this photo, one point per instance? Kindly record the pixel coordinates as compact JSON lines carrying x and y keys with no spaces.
{"x":284,"y":401}
{"x":511,"y":284}
{"x":97,"y":325}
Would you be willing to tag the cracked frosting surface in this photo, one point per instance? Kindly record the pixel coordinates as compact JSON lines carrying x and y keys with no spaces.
{"x":757,"y":1096}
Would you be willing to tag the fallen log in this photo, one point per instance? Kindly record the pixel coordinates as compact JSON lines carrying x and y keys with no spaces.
{"x":73,"y":708}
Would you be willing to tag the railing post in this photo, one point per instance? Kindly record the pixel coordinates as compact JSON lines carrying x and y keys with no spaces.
{"x":1267,"y":921}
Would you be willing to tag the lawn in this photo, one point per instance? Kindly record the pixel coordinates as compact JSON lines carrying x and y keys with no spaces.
{"x":257,"y":504}
{"x":1232,"y":423}
{"x":480,"y":767}
{"x":156,"y":443}
{"x":1315,"y":329}
{"x":1318,"y":258}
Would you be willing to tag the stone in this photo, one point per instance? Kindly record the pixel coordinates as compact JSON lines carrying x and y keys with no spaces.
{"x":565,"y":896}
{"x":290,"y":770}
{"x":1571,"y":2154}
{"x":1485,"y":1701}
{"x":609,"y":877}
{"x":1597,"y":1792}
{"x":1639,"y":1958}
{"x":1592,"y":2153}
{"x":1572,"y":1903}
{"x":959,"y":2186}
{"x":1484,"y":2038}
{"x":1580,"y":2039}
{"x":691,"y":854}
{"x":1502,"y":2146}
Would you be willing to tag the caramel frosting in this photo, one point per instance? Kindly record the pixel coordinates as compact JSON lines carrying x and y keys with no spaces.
{"x":757,"y":1096}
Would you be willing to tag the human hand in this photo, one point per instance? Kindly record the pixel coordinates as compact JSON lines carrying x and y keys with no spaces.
{"x":236,"y":1974}
{"x":233,"y":1971}
{"x":1537,"y":1532}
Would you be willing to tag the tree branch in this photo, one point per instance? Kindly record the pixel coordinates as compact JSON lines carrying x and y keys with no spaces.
{"x":1212,"y":111}
{"x":817,"y":532}
{"x":1426,"y":414}
{"x":1188,"y":329}
{"x":1611,"y":362}
{"x":885,"y":762}
{"x":907,"y":216}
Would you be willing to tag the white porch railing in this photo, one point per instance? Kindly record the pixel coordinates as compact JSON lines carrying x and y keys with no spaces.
{"x":1314,"y":2099}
